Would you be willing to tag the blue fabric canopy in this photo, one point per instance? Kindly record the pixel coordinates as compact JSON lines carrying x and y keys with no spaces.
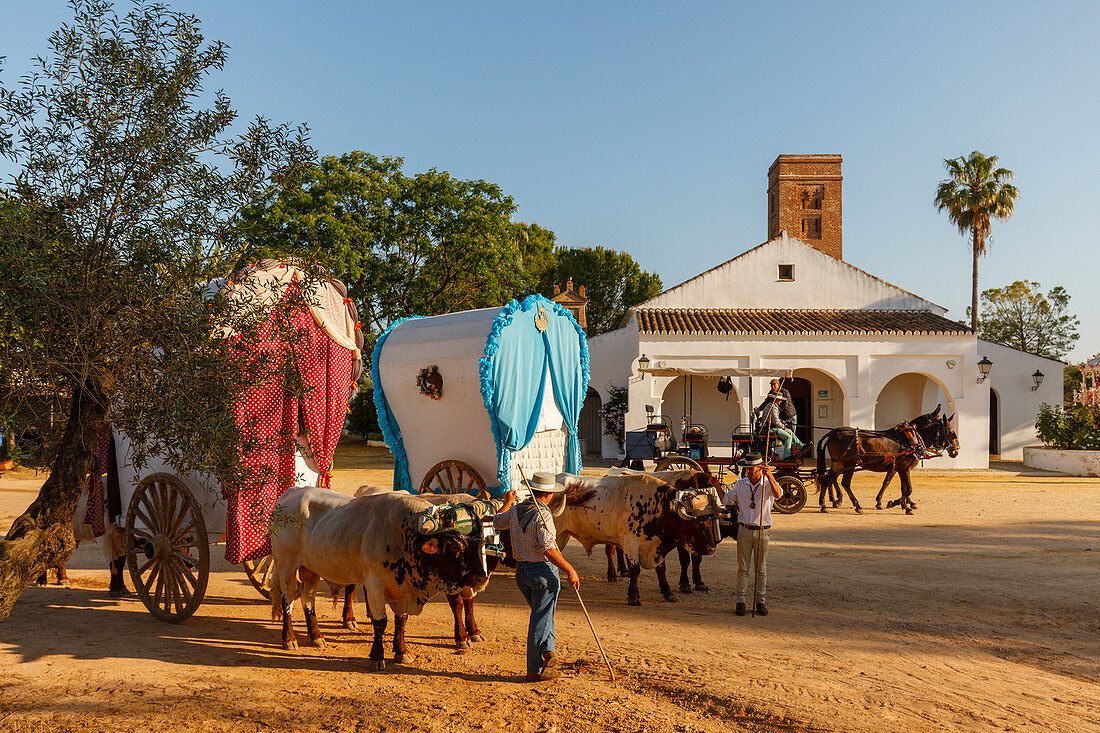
{"x":513,"y":376}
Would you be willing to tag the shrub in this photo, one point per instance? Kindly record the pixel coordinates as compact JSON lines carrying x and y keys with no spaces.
{"x":1073,"y":428}
{"x":613,"y":412}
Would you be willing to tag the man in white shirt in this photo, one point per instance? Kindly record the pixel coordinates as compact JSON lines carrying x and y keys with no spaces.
{"x":754,"y":495}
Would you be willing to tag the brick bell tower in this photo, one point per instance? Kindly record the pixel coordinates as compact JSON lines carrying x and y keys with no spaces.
{"x":804,"y":198}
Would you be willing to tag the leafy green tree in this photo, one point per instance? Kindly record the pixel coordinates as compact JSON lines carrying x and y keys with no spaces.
{"x":1020,"y":316}
{"x":537,"y":256}
{"x":420,"y":244}
{"x":976,"y":192}
{"x":1071,"y":382}
{"x":613,"y":282}
{"x":120,"y":214}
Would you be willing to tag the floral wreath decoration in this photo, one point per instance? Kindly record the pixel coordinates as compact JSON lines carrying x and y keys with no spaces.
{"x":430,"y":382}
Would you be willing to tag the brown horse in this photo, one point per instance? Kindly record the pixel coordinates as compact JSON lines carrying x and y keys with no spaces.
{"x":892,"y":451}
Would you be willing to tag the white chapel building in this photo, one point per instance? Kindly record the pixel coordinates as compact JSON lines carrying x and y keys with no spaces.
{"x":863,"y":352}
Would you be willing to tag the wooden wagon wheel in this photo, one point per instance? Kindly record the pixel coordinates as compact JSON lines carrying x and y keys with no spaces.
{"x":453,"y":477}
{"x":166,"y":547}
{"x":259,"y":574}
{"x":678,"y":463}
{"x":794,"y":495}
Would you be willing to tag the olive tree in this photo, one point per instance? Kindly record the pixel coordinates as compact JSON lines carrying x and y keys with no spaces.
{"x":120,"y":217}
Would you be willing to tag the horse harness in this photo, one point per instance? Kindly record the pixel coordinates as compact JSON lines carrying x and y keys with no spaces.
{"x":916,"y":444}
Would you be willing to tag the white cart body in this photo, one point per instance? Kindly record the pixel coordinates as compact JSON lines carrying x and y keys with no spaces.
{"x":422,"y":431}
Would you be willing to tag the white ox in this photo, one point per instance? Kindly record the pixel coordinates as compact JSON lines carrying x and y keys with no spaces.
{"x":373,"y":540}
{"x":645,"y":515}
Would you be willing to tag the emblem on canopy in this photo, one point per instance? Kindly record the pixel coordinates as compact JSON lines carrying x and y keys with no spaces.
{"x":541,"y":319}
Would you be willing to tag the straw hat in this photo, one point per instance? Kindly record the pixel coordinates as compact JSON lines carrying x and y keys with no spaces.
{"x":750,"y":459}
{"x":544,"y":481}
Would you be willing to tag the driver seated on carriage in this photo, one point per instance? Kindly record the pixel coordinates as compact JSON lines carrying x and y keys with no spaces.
{"x":769,"y":421}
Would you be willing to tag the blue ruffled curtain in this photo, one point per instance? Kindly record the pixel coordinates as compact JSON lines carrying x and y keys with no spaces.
{"x":391,"y":431}
{"x":513,"y":377}
{"x":570,"y":383}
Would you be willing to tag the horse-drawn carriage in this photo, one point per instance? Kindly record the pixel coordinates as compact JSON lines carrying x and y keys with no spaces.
{"x":468,"y":401}
{"x":658,"y":442}
{"x":169,"y":518}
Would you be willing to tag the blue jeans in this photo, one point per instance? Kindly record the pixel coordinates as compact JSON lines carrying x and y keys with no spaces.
{"x":539,"y":584}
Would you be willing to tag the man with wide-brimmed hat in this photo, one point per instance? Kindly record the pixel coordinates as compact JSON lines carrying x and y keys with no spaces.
{"x":754,"y":495}
{"x":534,"y":545}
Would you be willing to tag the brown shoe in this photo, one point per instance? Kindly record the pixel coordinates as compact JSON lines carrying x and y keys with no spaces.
{"x":532,"y":677}
{"x":549,"y":669}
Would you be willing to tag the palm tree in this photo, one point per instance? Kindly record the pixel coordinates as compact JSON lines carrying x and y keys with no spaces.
{"x":976,"y":191}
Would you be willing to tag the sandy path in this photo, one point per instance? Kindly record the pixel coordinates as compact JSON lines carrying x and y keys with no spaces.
{"x":980,"y":612}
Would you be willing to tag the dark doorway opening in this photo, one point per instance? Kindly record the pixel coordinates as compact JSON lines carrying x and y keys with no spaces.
{"x":994,"y":423}
{"x":590,"y":427}
{"x":800,"y":397}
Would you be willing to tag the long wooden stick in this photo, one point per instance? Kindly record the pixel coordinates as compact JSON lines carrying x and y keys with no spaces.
{"x":760,"y":520}
{"x":576,"y":590}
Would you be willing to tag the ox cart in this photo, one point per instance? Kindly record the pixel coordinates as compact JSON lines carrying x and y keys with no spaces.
{"x":168,"y":518}
{"x":468,"y":401}
{"x":658,"y":442}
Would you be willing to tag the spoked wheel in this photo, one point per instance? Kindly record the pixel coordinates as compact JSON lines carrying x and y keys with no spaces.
{"x":453,"y":477}
{"x":794,"y":495}
{"x":166,"y":548}
{"x":678,"y":463}
{"x":259,"y":574}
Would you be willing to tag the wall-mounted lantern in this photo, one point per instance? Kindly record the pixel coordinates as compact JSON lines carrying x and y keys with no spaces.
{"x":984,"y":366}
{"x":1037,"y":377}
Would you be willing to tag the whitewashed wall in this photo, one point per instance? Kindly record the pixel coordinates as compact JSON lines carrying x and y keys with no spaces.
{"x":1010,"y":376}
{"x":820,"y":281}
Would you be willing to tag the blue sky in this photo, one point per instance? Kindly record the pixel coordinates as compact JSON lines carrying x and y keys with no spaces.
{"x":650,"y":127}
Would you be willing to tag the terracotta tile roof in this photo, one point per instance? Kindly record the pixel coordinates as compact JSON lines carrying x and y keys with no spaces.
{"x":781,"y":321}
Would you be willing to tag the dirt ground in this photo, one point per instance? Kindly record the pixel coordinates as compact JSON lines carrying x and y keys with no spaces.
{"x":980,"y":612}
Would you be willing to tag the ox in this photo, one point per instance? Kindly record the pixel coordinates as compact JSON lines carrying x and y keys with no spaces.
{"x":644,"y":514}
{"x":375,"y":540}
{"x":461,"y":603}
{"x":110,"y":545}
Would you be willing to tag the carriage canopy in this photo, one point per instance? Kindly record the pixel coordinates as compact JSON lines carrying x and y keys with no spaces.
{"x":497,"y":388}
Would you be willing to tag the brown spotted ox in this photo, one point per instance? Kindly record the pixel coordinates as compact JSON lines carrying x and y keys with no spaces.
{"x":642,"y":514}
{"x":461,"y":603}
{"x":373,"y":540}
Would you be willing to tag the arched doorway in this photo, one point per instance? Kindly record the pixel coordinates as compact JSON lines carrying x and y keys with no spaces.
{"x":908,"y":395}
{"x":721,"y":414}
{"x":819,"y":400}
{"x":994,"y":423}
{"x":589,"y":424}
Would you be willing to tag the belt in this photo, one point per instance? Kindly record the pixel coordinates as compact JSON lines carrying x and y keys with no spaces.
{"x":754,"y":526}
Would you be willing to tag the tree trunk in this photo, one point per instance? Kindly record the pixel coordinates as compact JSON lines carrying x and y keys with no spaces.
{"x":42,"y":537}
{"x":974,"y":290}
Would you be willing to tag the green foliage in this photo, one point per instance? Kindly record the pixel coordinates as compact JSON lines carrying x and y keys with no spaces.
{"x":1071,"y":381}
{"x":122,"y":211}
{"x":537,"y":256}
{"x":362,"y":417}
{"x":1020,"y":316}
{"x":613,"y":281}
{"x":975,"y":192}
{"x":420,"y":244}
{"x":613,"y":413}
{"x":1074,"y":428}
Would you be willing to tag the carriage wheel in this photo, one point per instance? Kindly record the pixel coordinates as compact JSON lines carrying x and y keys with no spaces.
{"x":794,"y":495}
{"x":259,"y":574}
{"x":166,"y":548}
{"x":678,"y":463}
{"x":453,"y":477}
